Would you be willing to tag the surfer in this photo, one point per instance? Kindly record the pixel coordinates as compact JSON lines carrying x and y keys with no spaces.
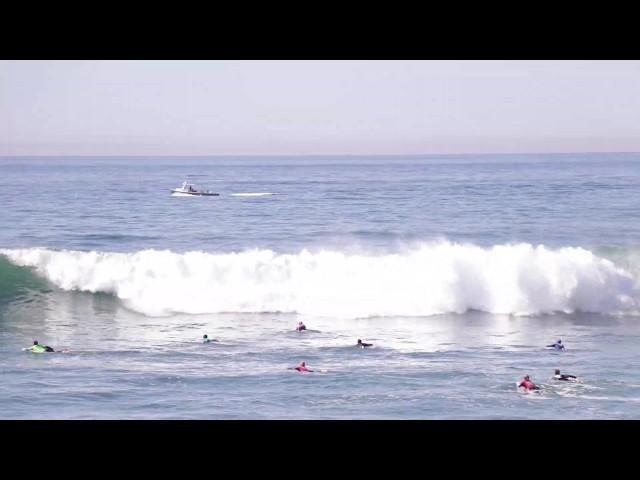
{"x":301,"y":326}
{"x":302,"y":368}
{"x":363,"y":345}
{"x":559,"y":376}
{"x":37,"y":348}
{"x":558,"y":345}
{"x":527,"y":384}
{"x":206,"y":339}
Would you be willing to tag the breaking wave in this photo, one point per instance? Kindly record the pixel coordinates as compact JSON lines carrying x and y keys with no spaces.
{"x":435,"y":278}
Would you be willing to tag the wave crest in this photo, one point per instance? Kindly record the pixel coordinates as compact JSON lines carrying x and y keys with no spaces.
{"x":436,"y":278}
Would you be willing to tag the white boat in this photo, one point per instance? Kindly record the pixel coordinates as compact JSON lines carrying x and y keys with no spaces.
{"x":188,"y":190}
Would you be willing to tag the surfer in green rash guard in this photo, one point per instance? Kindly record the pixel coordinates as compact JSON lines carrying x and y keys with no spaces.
{"x":37,"y":348}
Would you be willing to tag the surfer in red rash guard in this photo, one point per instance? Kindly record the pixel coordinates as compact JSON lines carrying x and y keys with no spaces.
{"x":527,"y":384}
{"x":302,"y":368}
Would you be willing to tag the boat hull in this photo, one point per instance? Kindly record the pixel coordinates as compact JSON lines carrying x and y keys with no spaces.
{"x":178,"y":193}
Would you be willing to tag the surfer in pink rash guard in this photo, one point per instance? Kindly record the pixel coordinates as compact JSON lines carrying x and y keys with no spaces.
{"x":527,"y":384}
{"x":302,"y":368}
{"x":301,"y":326}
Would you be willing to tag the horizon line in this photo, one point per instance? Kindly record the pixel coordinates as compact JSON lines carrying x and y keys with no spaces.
{"x":260,"y":155}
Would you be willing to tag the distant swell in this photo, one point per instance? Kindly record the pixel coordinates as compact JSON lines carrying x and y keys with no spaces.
{"x":434,"y":278}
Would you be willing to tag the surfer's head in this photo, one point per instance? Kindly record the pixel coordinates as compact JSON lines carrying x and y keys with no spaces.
{"x":302,"y":364}
{"x":359,"y":341}
{"x":35,"y":342}
{"x":559,"y":341}
{"x":205,"y":336}
{"x":526,"y":377}
{"x":557,"y":371}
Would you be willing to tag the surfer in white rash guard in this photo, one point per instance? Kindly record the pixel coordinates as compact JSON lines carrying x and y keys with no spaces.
{"x":558,"y":345}
{"x":564,"y":377}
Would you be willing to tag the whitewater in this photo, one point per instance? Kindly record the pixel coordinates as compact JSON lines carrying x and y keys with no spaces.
{"x":433,"y":279}
{"x":458,"y":269}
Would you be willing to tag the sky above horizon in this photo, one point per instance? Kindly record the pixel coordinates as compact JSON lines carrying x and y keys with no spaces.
{"x":317,"y":107}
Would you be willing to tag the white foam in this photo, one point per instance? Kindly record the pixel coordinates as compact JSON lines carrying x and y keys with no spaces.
{"x":430,"y":279}
{"x":249,"y":194}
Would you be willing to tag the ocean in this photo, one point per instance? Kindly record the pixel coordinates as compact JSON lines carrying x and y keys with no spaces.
{"x":458,"y":269}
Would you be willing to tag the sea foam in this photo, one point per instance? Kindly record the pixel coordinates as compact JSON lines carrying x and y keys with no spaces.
{"x":434,"y":278}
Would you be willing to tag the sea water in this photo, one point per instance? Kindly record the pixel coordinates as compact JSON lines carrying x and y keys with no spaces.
{"x":459,"y":269}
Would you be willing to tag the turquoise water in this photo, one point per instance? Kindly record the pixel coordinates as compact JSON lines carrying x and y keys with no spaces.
{"x":459,"y":269}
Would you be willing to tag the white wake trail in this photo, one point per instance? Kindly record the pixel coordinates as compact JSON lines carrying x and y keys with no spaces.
{"x":254,"y":194}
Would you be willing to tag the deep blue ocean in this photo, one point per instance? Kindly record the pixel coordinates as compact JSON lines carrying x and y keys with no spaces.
{"x":458,"y":269}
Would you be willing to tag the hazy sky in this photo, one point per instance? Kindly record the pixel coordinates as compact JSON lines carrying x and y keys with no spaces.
{"x":317,"y":107}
